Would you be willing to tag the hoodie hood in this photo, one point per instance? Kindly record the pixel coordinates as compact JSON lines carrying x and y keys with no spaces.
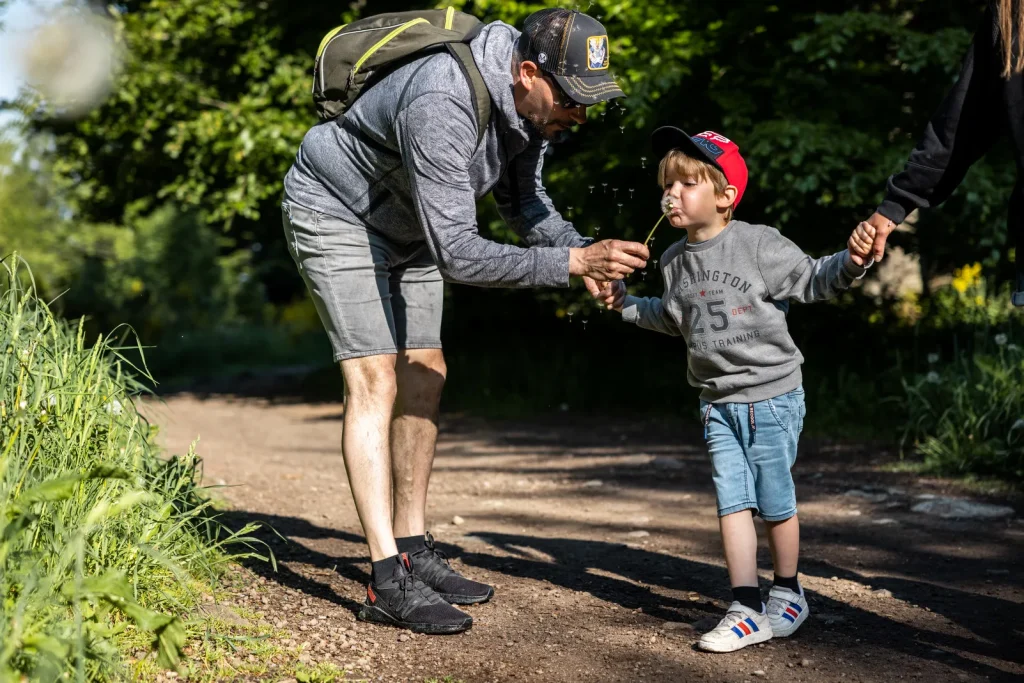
{"x":492,"y":50}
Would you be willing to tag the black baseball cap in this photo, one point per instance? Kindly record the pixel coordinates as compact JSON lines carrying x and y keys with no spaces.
{"x":574,"y":49}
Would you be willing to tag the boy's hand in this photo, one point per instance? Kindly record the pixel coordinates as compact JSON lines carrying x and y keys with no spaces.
{"x":861,"y":243}
{"x":611,"y":294}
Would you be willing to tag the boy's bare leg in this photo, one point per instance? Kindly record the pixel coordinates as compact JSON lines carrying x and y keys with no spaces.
{"x":740,"y":541}
{"x":370,"y":389}
{"x":421,"y":374}
{"x":784,"y":540}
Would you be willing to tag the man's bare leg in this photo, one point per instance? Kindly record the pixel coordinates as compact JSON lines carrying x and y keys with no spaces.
{"x":370,"y":390}
{"x":421,"y":375}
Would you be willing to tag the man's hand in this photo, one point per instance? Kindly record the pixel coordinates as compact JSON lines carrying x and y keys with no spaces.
{"x":883,"y":226}
{"x":608,"y":260}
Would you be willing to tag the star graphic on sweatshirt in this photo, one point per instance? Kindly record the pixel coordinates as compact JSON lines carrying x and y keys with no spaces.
{"x":702,"y":292}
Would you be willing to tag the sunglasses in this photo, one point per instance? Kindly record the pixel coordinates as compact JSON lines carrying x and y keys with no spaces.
{"x":560,"y":96}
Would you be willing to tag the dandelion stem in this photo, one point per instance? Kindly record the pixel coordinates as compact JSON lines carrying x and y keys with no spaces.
{"x":651,"y":234}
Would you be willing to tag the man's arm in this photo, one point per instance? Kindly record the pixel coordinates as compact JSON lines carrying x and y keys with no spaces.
{"x":436,"y":134}
{"x":965,"y":126}
{"x":525,"y":206}
{"x":789,"y":273}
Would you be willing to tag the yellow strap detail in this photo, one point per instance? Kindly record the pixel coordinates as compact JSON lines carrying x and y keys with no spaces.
{"x":384,"y":41}
{"x":327,"y":39}
{"x":448,"y":17}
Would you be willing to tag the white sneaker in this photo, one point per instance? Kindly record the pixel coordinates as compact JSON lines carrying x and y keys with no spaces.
{"x":786,"y":610}
{"x":741,"y":626}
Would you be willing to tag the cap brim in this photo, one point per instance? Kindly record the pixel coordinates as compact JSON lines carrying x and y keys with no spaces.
{"x":668,"y":138}
{"x":590,"y":90}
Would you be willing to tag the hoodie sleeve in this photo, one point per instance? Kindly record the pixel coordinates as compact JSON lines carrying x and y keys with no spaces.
{"x":535,"y":219}
{"x":789,"y":273}
{"x":436,"y":135}
{"x":963,"y":128}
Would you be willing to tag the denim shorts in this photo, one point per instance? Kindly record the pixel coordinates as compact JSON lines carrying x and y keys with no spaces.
{"x":753,"y":447}
{"x":374,"y":296}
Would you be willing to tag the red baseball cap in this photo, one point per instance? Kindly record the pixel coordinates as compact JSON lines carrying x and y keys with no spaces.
{"x":717,"y":150}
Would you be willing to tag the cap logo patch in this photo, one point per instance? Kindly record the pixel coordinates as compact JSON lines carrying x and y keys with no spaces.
{"x":542,"y":57}
{"x":712,"y":135}
{"x":711,"y":147}
{"x":597,"y":53}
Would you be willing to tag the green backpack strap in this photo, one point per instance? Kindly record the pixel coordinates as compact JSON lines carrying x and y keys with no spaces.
{"x":478,"y":89}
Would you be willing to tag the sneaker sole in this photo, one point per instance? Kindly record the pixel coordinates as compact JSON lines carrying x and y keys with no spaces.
{"x":467,"y":599}
{"x":376,"y":615}
{"x":791,"y":628}
{"x":738,"y":644}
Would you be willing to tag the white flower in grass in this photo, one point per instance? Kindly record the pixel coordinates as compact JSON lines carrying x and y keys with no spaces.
{"x":23,"y":405}
{"x":933,"y":358}
{"x":1012,"y":347}
{"x":51,"y":400}
{"x":933,"y":377}
{"x":114,"y":407}
{"x":1000,"y":340}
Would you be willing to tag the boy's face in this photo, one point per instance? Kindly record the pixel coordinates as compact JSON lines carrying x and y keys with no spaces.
{"x":694,"y":200}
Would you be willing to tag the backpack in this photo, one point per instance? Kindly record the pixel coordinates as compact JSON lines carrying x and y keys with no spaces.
{"x":353,"y":57}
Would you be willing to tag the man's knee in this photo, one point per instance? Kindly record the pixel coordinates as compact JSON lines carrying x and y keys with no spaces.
{"x":370,"y":378}
{"x":421,"y":376}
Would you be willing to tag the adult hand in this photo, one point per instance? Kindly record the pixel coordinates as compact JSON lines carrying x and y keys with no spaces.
{"x":883,"y":226}
{"x":608,"y":260}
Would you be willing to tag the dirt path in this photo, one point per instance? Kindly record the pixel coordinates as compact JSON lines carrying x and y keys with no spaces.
{"x":601,"y":539}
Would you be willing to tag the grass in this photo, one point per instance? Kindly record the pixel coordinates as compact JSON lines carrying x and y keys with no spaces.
{"x":104,"y":545}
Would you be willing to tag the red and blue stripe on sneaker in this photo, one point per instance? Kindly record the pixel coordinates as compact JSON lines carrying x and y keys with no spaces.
{"x":745,"y":627}
{"x":792,"y":612}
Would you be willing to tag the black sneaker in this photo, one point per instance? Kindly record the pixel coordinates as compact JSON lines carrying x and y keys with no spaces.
{"x":403,"y":600}
{"x":431,"y":565}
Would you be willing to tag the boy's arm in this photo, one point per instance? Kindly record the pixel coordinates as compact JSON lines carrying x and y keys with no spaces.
{"x":650,"y":314}
{"x":789,"y":273}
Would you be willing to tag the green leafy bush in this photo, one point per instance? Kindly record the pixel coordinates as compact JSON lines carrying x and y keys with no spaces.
{"x":100,"y":539}
{"x":967,"y":416}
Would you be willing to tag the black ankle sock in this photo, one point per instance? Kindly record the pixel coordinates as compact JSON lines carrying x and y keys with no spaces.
{"x":383,"y":568}
{"x":748,"y":596}
{"x":410,"y":544}
{"x":789,"y":582}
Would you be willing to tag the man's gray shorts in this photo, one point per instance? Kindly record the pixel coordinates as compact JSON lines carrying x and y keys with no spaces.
{"x":374,"y":296}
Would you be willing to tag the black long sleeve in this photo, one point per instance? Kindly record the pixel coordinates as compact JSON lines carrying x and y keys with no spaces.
{"x":966,"y":125}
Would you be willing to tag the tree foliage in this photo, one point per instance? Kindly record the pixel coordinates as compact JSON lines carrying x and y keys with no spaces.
{"x":824,"y":100}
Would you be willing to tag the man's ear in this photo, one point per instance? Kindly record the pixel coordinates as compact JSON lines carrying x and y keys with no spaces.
{"x":528,"y":73}
{"x":727,"y":198}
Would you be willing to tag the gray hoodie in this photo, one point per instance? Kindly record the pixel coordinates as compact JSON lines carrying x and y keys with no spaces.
{"x":728,"y":297}
{"x":405,"y":164}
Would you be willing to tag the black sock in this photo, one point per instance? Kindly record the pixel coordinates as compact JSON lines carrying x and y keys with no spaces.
{"x":748,"y":596}
{"x":382,"y":569}
{"x":410,"y":544}
{"x":789,"y":582}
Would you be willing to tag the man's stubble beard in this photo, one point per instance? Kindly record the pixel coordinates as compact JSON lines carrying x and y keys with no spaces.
{"x":537,"y":126}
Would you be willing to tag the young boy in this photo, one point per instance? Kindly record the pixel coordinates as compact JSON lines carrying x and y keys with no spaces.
{"x":727,"y":291}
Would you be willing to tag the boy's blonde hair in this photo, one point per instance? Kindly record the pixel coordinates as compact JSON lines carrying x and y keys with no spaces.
{"x":688,"y":167}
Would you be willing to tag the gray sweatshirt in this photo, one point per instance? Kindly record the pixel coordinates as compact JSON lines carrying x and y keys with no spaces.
{"x":405,"y":163}
{"x":728,"y":297}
